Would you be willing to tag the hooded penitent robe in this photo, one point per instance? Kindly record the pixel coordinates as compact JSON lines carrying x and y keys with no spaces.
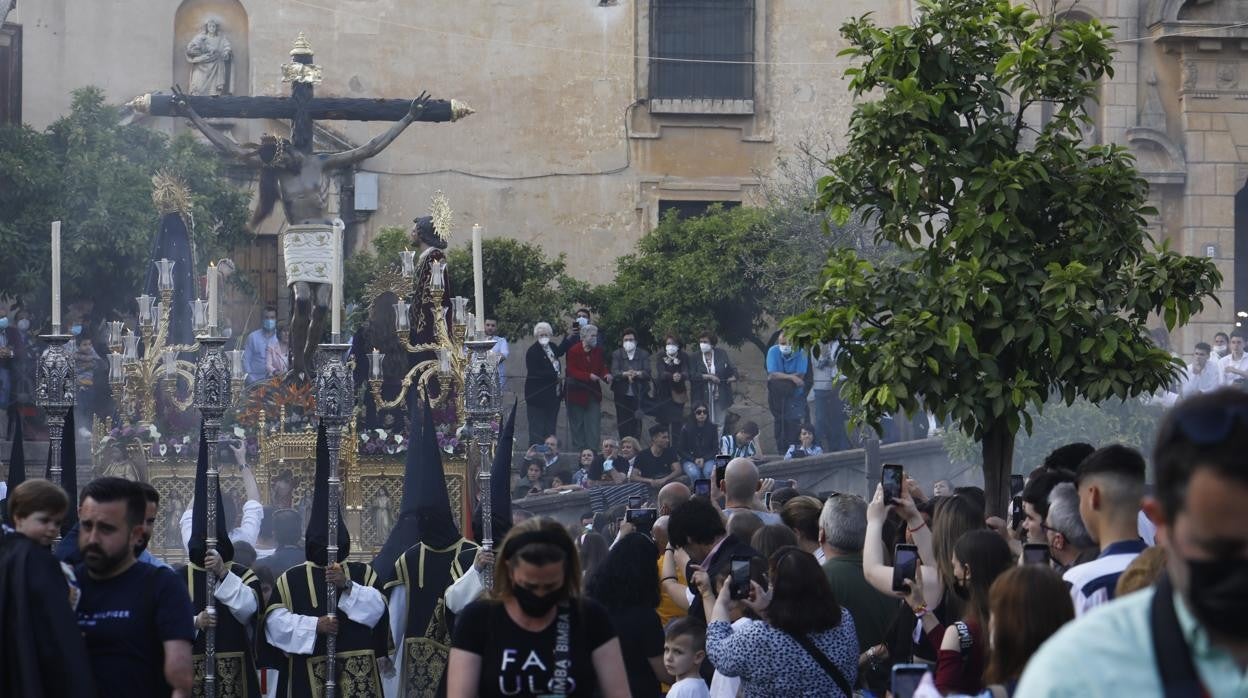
{"x":237,"y":598}
{"x":299,"y":600}
{"x":434,"y":554}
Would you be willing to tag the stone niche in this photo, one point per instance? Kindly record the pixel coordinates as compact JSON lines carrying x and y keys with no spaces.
{"x":189,"y":21}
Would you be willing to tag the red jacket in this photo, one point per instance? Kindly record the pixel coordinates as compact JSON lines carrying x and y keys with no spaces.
{"x":581,"y":388}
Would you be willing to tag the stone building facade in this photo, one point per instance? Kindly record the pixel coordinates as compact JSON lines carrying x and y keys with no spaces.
{"x":580,"y":140}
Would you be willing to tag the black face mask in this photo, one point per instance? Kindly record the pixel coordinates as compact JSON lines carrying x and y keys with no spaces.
{"x":1216,"y":595}
{"x":536,"y":606}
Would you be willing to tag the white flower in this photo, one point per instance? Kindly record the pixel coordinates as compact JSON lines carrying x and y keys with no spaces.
{"x":240,"y":432}
{"x":151,"y":428}
{"x":186,"y":439}
{"x":398,"y":438}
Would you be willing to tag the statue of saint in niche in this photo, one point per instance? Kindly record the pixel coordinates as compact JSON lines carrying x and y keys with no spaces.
{"x":209,"y":54}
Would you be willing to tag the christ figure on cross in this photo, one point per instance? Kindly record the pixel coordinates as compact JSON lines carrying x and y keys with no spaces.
{"x":300,"y":178}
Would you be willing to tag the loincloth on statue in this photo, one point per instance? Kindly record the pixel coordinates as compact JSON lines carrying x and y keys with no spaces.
{"x":308,"y":252}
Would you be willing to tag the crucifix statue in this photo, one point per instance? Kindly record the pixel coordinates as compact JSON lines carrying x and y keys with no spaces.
{"x":291,"y":171}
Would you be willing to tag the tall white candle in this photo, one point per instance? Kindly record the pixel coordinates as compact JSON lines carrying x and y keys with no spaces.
{"x":336,"y":326}
{"x":56,"y":276}
{"x":478,"y":275}
{"x":213,"y":299}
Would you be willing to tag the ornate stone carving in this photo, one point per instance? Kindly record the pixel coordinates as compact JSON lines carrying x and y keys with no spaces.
{"x":1191,"y":74}
{"x":1228,"y":76}
{"x":210,"y":55}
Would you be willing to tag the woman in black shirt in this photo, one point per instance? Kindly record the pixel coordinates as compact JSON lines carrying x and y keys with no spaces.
{"x":536,"y":636}
{"x":627,"y":584}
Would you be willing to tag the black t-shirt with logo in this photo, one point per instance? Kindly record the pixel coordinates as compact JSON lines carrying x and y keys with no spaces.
{"x":518,"y":662}
{"x":125,"y":621}
{"x":655,"y":467}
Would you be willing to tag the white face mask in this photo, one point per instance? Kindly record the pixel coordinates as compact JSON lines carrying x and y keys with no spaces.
{"x":672,"y":349}
{"x":705,"y":347}
{"x":543,"y":340}
{"x":630,"y":345}
{"x":786,"y":349}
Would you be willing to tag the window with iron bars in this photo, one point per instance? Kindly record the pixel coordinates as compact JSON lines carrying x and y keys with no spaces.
{"x":708,"y":46}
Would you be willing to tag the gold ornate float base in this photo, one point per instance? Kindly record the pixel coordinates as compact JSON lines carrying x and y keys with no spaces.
{"x":373,"y":489}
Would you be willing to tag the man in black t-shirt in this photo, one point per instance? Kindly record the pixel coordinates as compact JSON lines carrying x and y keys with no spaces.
{"x":659,"y":464}
{"x":136,"y":619}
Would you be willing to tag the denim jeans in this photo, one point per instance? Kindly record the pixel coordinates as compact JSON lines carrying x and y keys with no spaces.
{"x":830,"y":420}
{"x":696,"y":472}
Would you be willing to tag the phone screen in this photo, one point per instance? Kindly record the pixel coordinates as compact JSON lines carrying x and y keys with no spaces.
{"x":740,"y":578}
{"x":702,"y":487}
{"x":634,"y":502}
{"x":905,"y":559}
{"x":721,"y":466}
{"x":1036,"y":554}
{"x":758,"y":571}
{"x":1016,"y":513}
{"x":767,"y":501}
{"x":906,"y":679}
{"x":643,"y":519}
{"x":1016,"y":484}
{"x":890,"y":477}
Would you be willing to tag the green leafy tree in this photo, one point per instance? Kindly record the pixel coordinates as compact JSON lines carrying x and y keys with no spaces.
{"x":1130,"y":422}
{"x":689,"y":274}
{"x":94,"y":174}
{"x":362,"y":267}
{"x":1031,"y":272}
{"x":522,"y":285}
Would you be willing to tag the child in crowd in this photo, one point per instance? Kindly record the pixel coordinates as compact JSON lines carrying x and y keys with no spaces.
{"x":37,"y":508}
{"x":684,"y":648}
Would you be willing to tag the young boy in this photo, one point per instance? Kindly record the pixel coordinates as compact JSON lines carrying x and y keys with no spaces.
{"x":684,"y":648}
{"x":37,"y":508}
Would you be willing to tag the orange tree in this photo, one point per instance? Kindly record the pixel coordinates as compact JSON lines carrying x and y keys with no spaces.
{"x":1028,"y":269}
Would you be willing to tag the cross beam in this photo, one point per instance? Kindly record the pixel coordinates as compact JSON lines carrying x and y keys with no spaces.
{"x":318,"y":108}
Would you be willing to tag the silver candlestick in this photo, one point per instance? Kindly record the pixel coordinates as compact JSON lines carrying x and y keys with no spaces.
{"x":55,"y":393}
{"x":335,"y":403}
{"x":483,"y":402}
{"x":212,"y":397}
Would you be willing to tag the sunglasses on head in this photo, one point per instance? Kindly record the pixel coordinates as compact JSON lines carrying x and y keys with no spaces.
{"x":1208,"y":425}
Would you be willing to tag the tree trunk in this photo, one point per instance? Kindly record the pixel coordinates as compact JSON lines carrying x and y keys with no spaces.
{"x":997,"y":449}
{"x":758,"y":342}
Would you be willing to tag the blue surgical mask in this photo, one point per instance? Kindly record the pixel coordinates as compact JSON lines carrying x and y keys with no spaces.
{"x":270,"y":324}
{"x":582,"y":321}
{"x":75,"y":330}
{"x":4,"y":323}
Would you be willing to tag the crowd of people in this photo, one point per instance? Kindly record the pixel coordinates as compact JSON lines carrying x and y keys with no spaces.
{"x":677,"y":387}
{"x":1098,"y":584}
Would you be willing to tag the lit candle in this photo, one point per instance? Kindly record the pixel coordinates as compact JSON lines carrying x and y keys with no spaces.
{"x":212,"y":296}
{"x":237,"y":372}
{"x":56,"y":277}
{"x":171,"y":363}
{"x":478,"y":275}
{"x":199,"y":316}
{"x":374,"y":359}
{"x":401,"y":321}
{"x":116,"y":374}
{"x":336,"y":324}
{"x":408,"y":258}
{"x":435,"y":274}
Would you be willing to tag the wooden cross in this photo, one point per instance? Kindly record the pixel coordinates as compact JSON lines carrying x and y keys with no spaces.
{"x":301,"y":107}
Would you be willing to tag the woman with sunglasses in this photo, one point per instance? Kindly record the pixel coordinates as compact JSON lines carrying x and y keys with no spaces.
{"x":698,"y":444}
{"x":536,"y":634}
